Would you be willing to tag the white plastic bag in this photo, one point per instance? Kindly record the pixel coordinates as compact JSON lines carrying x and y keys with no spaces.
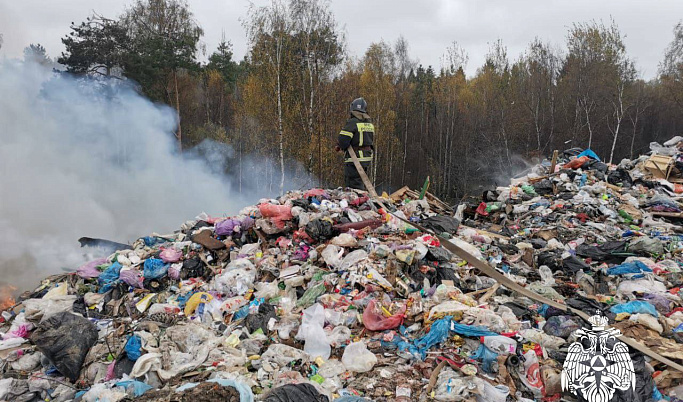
{"x":333,"y":256}
{"x":311,"y":330}
{"x":358,"y":358}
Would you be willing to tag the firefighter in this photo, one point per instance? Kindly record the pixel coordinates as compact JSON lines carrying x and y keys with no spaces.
{"x":358,"y":133}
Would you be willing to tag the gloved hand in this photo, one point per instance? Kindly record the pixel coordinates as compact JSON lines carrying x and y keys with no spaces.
{"x":337,"y":148}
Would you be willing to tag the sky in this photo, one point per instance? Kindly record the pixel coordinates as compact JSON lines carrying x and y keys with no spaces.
{"x":428,"y":25}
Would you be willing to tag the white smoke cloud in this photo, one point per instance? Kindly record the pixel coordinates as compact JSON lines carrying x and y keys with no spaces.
{"x":89,"y":158}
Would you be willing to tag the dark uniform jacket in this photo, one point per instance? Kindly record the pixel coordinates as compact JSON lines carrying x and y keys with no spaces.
{"x":359,"y":133}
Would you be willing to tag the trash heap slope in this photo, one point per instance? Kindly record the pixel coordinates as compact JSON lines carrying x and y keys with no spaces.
{"x":323,"y":295}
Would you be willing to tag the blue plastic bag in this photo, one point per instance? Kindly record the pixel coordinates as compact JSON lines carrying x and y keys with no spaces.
{"x":438,"y":333}
{"x":486,"y":356}
{"x":352,"y":399}
{"x":139,"y":387}
{"x":635,"y":307}
{"x":133,"y":346}
{"x":634,"y":267}
{"x":470,"y":330}
{"x":109,"y":278}
{"x":154,"y":268}
{"x":151,"y":241}
{"x":589,"y":153}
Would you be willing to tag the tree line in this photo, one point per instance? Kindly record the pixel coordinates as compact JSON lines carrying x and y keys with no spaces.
{"x":288,"y":98}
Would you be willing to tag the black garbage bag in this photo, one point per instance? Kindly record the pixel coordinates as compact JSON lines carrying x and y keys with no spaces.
{"x":572,"y":152}
{"x":603,"y":252}
{"x":445,"y":274}
{"x":438,"y":254}
{"x":551,"y":259}
{"x":620,"y":177}
{"x":508,"y":248}
{"x":260,"y":318}
{"x":65,"y":339}
{"x":543,"y":187}
{"x":538,"y":243}
{"x":300,"y":202}
{"x":418,"y":276}
{"x":295,"y":393}
{"x":192,"y":268}
{"x":522,"y":312}
{"x":644,"y":383}
{"x":441,"y":224}
{"x":590,"y":306}
{"x":123,"y":366}
{"x":573,"y":264}
{"x":319,"y":230}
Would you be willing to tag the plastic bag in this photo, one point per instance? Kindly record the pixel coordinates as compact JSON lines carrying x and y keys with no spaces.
{"x":352,"y":259}
{"x":339,"y":336}
{"x":133,"y":346}
{"x":332,"y":255}
{"x":487,"y":356}
{"x":195,"y":301}
{"x":237,"y":278}
{"x":154,"y":268}
{"x":633,"y":267}
{"x":344,"y":240}
{"x":278,"y":214}
{"x":170,"y":255}
{"x":295,"y":393}
{"x":89,"y":270}
{"x":131,"y":277}
{"x":311,"y":330}
{"x":319,"y":230}
{"x":358,"y":358}
{"x":635,"y":307}
{"x":65,"y":340}
{"x":226,"y":227}
{"x":311,"y":294}
{"x":561,"y":326}
{"x":441,"y":224}
{"x":375,"y":320}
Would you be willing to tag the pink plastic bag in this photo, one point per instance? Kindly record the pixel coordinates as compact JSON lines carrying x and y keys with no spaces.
{"x":89,"y":270}
{"x":374,"y":319}
{"x":170,"y":255}
{"x":277,"y":213}
{"x":316,"y":192}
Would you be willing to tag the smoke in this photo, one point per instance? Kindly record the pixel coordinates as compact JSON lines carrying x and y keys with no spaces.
{"x":90,"y":158}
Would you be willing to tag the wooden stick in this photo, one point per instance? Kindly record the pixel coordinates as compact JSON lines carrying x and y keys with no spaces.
{"x":553,"y":162}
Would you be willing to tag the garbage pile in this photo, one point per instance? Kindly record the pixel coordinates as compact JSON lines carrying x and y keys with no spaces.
{"x":326,"y":295}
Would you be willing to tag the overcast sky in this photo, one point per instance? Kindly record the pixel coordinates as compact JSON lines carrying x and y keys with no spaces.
{"x":428,"y":25}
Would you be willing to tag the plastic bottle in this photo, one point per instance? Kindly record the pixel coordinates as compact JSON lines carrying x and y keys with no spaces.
{"x":499,"y":344}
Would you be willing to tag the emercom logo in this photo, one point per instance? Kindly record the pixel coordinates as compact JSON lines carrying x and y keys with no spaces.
{"x":598,"y":363}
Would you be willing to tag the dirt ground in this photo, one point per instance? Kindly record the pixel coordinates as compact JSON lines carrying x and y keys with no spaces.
{"x":204,"y":392}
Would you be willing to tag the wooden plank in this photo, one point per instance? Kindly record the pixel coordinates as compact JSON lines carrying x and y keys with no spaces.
{"x":553,"y":162}
{"x":363,"y":176}
{"x":668,"y":214}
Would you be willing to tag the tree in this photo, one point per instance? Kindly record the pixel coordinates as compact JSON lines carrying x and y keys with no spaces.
{"x":36,"y":54}
{"x":270,"y":33}
{"x":671,"y":68}
{"x":98,"y":46}
{"x":319,"y":48}
{"x":221,"y":61}
{"x":538,"y":70}
{"x":376,"y":85}
{"x":165,"y":39}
